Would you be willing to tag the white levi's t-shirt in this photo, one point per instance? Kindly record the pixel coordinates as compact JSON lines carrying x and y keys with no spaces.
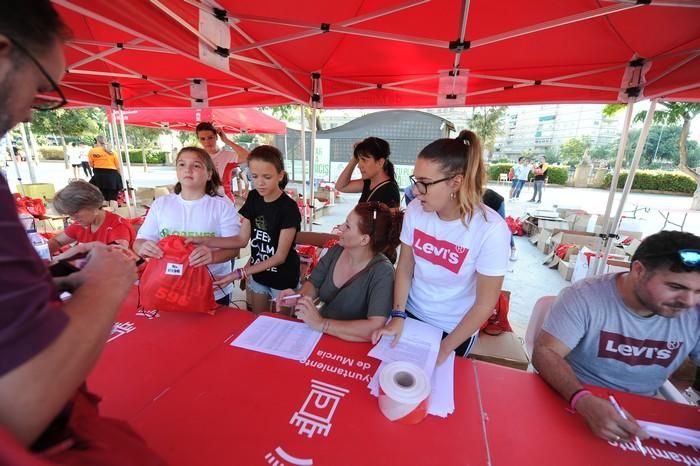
{"x":447,"y":256}
{"x":207,"y":216}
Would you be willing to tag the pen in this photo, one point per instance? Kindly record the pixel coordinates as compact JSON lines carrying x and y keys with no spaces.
{"x":624,"y":416}
{"x":292,"y":296}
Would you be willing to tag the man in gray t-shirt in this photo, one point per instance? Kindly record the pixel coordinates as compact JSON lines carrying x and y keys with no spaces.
{"x":626,"y":332}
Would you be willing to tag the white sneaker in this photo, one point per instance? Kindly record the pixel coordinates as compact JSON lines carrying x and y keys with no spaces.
{"x":513,"y":254}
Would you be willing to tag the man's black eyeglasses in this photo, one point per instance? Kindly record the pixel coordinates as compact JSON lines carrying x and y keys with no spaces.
{"x":422,"y":186}
{"x":47,"y":100}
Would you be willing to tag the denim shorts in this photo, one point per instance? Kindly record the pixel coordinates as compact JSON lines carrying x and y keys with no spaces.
{"x":258,"y":288}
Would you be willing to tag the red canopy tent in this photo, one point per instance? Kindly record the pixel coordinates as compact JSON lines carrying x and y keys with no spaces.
{"x":382,"y":53}
{"x":239,"y":120}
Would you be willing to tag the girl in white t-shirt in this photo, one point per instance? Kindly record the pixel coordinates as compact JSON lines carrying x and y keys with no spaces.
{"x":194,"y":210}
{"x":454,"y":249}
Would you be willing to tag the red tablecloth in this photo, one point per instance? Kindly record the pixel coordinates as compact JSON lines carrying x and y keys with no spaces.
{"x":145,"y":356}
{"x":199,"y":401}
{"x":528,"y":423}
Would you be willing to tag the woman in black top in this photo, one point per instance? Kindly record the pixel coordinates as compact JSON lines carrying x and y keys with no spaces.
{"x":378,"y":183}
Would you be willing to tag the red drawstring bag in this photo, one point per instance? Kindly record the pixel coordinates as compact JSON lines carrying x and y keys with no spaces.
{"x":27,"y":205}
{"x":515,"y":225}
{"x":171,"y":284}
{"x":498,"y":322}
{"x":227,"y":180}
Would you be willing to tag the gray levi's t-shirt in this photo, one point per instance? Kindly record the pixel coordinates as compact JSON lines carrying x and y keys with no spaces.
{"x":611,"y":346}
{"x":370,"y":294}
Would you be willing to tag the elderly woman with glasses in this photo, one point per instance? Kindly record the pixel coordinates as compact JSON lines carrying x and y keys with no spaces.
{"x":454,"y":249}
{"x":354,"y":279}
{"x":91,"y":223}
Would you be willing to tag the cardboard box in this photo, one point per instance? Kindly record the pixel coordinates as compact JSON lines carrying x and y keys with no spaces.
{"x":505,"y":349}
{"x":325,"y":196}
{"x":548,"y":228}
{"x":566,"y":269}
{"x":616,"y":263}
{"x":44,"y":191}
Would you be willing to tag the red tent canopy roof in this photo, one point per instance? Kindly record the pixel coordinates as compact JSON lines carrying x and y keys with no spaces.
{"x":382,"y":53}
{"x":245,"y":120}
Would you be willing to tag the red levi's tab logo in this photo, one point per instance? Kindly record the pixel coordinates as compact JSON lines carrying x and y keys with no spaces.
{"x":637,"y":352}
{"x":438,"y":252}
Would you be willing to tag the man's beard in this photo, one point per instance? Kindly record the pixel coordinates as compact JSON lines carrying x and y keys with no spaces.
{"x":659,"y":309}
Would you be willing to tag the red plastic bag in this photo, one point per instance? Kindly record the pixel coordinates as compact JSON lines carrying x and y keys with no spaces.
{"x":227,"y":180}
{"x":515,"y":225}
{"x":171,"y":284}
{"x":498,"y":322}
{"x":27,"y":205}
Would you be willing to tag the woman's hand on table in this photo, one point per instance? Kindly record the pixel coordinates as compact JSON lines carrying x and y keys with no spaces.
{"x":393,"y":328}
{"x":606,"y":423}
{"x":306,"y":311}
{"x":150,"y":249}
{"x":281,"y":302}
{"x":201,"y":255}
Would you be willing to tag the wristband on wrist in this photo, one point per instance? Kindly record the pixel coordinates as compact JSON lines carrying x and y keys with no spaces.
{"x":576,"y":397}
{"x":398,"y":313}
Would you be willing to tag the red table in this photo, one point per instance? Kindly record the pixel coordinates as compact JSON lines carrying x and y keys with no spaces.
{"x":239,"y":406}
{"x":528,"y":423}
{"x":199,"y":401}
{"x":145,"y":356}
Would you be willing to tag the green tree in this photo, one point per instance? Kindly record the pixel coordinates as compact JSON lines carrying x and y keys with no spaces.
{"x":572,"y":151}
{"x":186,"y":138}
{"x":77,"y":122}
{"x":671,"y":114}
{"x":486,"y":122}
{"x":141,"y":137}
{"x":551,"y":155}
{"x":291,"y":113}
{"x":602,"y":152}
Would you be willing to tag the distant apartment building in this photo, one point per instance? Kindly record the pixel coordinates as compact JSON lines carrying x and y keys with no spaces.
{"x":539,"y":127}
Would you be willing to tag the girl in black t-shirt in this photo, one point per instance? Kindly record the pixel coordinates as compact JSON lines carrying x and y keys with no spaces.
{"x":378,"y":183}
{"x":270,"y":219}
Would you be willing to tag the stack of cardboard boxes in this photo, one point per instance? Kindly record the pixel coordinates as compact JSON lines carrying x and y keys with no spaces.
{"x":580,"y":231}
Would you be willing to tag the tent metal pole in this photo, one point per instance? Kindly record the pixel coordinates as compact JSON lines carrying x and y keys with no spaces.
{"x":129,"y":186}
{"x":8,"y":140}
{"x":28,"y":153}
{"x":630,"y":178}
{"x":312,"y":162}
{"x":115,"y":135}
{"x":595,"y":263}
{"x":303,"y":167}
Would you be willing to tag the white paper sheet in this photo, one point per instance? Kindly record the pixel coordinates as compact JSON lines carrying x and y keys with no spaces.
{"x":419,"y":344}
{"x":670,"y":433}
{"x":283,"y":338}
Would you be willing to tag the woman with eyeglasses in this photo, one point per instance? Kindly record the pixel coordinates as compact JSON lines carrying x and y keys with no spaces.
{"x":353,"y":279}
{"x":378,"y":182}
{"x":454,"y":249}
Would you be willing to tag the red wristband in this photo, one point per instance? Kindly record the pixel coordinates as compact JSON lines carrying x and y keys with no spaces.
{"x":576,"y":397}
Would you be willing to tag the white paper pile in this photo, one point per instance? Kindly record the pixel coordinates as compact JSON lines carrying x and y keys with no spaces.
{"x":670,"y":433}
{"x":283,"y":338}
{"x":420,"y":344}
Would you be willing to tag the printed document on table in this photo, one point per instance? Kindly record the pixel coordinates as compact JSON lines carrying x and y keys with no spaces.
{"x":283,"y":338}
{"x":419,"y":344}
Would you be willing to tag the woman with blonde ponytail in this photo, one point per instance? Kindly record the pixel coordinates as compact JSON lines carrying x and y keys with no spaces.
{"x":454,"y":249}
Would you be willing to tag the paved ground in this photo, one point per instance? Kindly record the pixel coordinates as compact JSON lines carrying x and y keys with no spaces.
{"x":527,"y":279}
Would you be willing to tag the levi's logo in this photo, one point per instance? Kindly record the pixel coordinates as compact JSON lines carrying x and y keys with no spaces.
{"x":635,"y":352}
{"x":173,"y":269}
{"x":438,"y":252}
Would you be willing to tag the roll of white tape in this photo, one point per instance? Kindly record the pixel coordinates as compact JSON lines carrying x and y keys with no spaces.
{"x":404,"y":392}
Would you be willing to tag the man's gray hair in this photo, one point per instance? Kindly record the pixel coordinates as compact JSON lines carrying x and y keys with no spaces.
{"x":77,"y":195}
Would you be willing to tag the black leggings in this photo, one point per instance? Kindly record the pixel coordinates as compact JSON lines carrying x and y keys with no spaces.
{"x":463,"y":349}
{"x":86,"y":168}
